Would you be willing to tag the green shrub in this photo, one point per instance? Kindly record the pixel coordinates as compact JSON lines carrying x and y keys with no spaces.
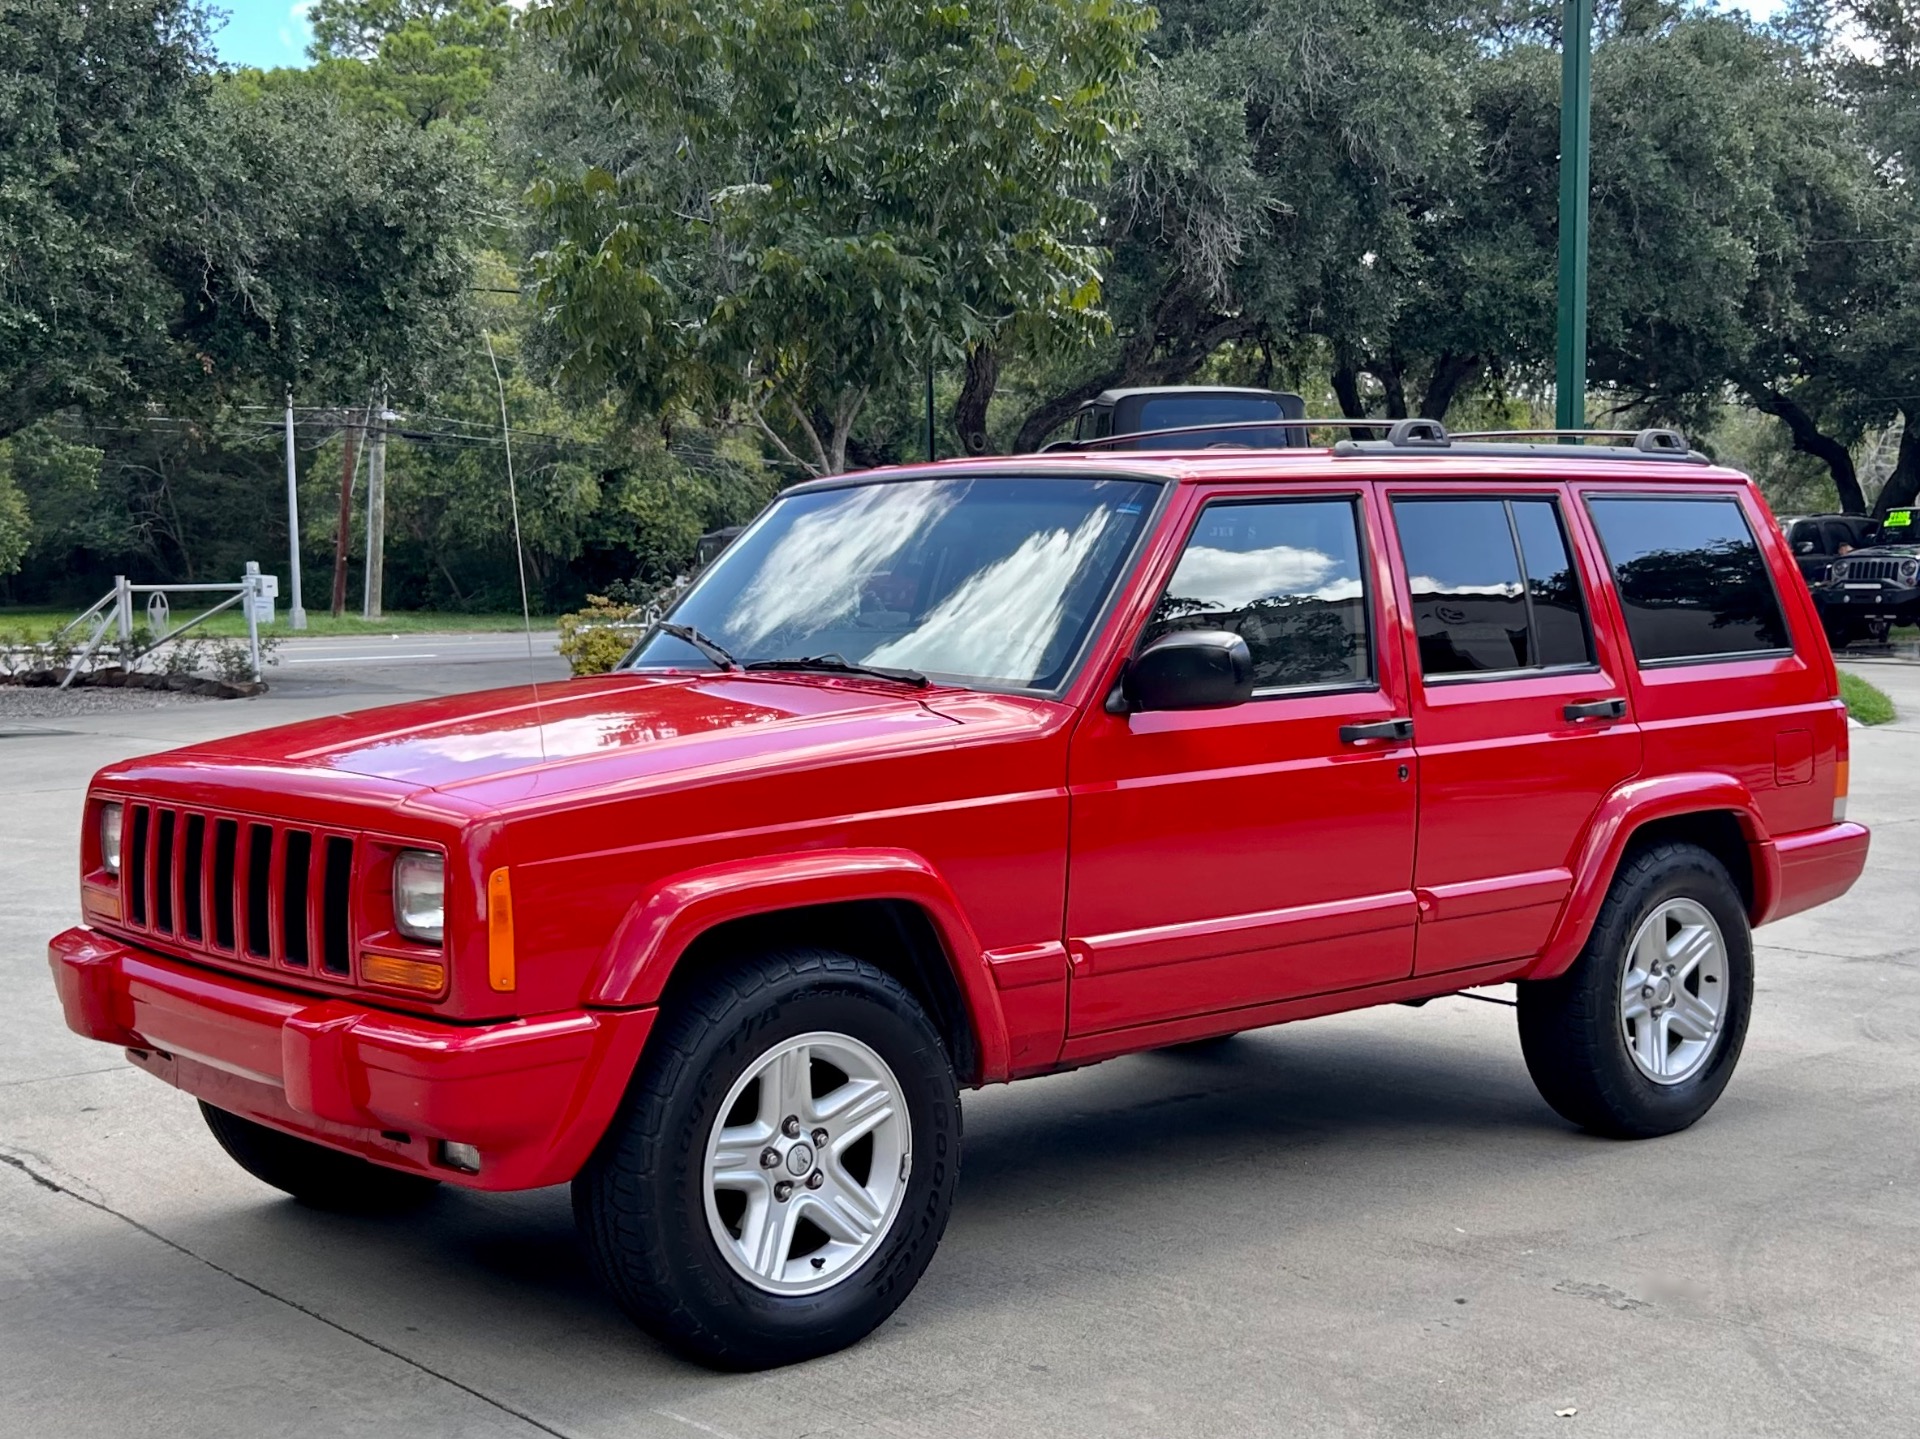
{"x":594,"y":639}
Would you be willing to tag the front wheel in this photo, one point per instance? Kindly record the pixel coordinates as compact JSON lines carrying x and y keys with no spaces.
{"x":1641,"y":1035}
{"x":784,"y":1166}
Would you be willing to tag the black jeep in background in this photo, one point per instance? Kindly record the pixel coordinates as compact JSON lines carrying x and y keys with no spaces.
{"x":1868,"y":589}
{"x":1817,"y":540}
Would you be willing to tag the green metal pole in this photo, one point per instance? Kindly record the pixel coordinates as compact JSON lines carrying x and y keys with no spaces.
{"x":1576,"y":92}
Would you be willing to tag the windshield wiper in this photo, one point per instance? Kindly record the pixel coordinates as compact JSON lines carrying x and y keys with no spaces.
{"x":687,"y":634}
{"x":841,"y":665}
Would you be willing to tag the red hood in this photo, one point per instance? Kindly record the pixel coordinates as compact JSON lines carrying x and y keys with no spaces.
{"x":646,"y":723}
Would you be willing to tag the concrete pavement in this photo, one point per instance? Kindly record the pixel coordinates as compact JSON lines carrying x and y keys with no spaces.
{"x":1362,"y":1225}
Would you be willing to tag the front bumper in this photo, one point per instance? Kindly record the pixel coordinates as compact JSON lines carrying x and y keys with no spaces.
{"x":1869,"y":601}
{"x":533,"y":1096}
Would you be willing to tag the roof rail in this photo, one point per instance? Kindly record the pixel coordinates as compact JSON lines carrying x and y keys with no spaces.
{"x":1416,"y":435}
{"x":1651,"y":444}
{"x":1647,"y":442}
{"x":1240,"y":426}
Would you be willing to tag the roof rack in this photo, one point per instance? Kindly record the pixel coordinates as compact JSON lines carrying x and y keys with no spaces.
{"x":1412,"y":436}
{"x":1660,"y":445}
{"x":1404,"y":428}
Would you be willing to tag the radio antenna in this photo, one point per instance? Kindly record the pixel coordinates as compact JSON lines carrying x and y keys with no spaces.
{"x":519,"y":553}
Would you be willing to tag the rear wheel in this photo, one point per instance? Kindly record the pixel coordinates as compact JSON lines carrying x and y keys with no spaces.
{"x":784,"y":1166}
{"x":1642,"y":1034}
{"x":313,"y":1174}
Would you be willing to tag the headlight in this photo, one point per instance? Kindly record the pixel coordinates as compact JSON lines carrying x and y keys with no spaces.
{"x":419,"y":895}
{"x":1909,"y":571}
{"x":110,"y":817}
{"x":1839,"y":570}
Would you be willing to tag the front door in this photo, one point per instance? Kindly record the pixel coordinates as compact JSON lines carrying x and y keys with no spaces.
{"x":1227,"y":858}
{"x":1521,"y":709}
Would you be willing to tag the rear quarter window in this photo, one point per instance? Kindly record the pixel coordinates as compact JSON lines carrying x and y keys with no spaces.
{"x":1692,"y":580}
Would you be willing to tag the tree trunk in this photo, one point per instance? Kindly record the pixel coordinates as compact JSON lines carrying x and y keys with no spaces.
{"x":1810,"y":440}
{"x":1177,"y":339}
{"x":1451,"y":372}
{"x":1903,"y":485}
{"x":970,"y":409}
{"x":1396,"y":388}
{"x":1346,"y":389}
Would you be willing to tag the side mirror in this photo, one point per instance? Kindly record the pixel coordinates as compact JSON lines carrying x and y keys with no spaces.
{"x":1187,"y":670}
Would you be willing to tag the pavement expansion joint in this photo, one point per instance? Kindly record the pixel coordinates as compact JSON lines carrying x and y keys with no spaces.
{"x":14,"y":1160}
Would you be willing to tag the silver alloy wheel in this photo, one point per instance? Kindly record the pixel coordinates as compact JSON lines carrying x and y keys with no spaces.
{"x":807,"y":1163}
{"x":1673,"y":996}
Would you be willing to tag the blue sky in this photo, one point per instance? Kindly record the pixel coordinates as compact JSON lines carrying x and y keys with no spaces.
{"x":262,"y":32}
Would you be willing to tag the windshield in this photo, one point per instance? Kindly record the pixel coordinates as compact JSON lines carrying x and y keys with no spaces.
{"x":992,"y":581}
{"x":1172,"y":411}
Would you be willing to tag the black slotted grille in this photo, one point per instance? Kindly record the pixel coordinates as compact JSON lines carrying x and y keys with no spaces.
{"x":295,"y":923}
{"x":240,"y":889}
{"x":226,"y":841}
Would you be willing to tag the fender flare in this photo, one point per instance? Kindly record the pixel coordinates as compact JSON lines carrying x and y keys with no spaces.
{"x":1624,"y":811}
{"x":660,"y":926}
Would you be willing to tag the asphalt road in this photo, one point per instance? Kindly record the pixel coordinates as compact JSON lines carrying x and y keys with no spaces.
{"x":1362,"y":1225}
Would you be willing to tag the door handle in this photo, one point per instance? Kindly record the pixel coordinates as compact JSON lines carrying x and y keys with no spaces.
{"x":1615,"y":708}
{"x":1385,"y":729}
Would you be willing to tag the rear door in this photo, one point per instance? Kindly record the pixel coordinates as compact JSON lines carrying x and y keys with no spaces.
{"x":1731,"y":673}
{"x":1523,"y":720}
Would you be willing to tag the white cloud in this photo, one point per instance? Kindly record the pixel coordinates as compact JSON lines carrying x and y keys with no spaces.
{"x":818,"y":570}
{"x":1234,"y":579}
{"x":1000,"y":622}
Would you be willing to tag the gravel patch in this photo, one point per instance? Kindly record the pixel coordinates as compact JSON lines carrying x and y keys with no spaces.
{"x":20,"y":703}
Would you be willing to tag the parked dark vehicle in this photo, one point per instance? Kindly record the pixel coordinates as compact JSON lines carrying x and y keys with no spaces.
{"x":1869,"y":590}
{"x":1215,"y":412}
{"x":1818,"y":540}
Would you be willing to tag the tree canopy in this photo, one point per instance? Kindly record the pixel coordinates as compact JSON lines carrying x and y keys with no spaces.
{"x":798,"y":202}
{"x":719,"y":243}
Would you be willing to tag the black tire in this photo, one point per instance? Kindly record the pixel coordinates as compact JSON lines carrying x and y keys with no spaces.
{"x":313,"y":1174}
{"x":1570,"y":1027}
{"x":1840,"y":632}
{"x":640,"y":1203}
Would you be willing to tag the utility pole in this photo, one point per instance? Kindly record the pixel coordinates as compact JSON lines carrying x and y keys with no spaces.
{"x":349,"y":458}
{"x":297,"y":612}
{"x":930,"y":454}
{"x":377,"y":515}
{"x":1576,"y":94}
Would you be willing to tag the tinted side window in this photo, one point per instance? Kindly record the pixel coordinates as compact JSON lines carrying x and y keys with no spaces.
{"x":1469,"y":605}
{"x":1287,"y":576}
{"x":1806,"y":538}
{"x":1493,"y":586}
{"x":1692,"y":580}
{"x":1560,"y":634}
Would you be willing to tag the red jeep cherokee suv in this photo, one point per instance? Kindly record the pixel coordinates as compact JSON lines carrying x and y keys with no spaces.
{"x":945,"y":776}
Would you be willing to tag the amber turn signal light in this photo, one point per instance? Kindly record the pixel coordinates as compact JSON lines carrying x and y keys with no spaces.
{"x":500,"y":930}
{"x":426,"y":975}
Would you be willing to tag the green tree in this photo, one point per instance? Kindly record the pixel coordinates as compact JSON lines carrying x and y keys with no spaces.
{"x":172,"y":236}
{"x":97,"y":133}
{"x":15,"y":531}
{"x":803,"y":202}
{"x":420,"y":60}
